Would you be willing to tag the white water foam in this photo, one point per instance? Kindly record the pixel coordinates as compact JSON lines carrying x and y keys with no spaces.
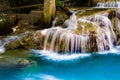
{"x":2,"y":49}
{"x":44,"y":31}
{"x":48,"y":77}
{"x":112,"y":51}
{"x":54,"y":21}
{"x":29,"y":79}
{"x":42,"y":77}
{"x":108,"y":4}
{"x":68,"y":57}
{"x":59,"y":57}
{"x":118,"y":47}
{"x":71,"y":23}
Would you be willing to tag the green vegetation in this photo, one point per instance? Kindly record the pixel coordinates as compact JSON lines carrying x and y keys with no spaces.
{"x":59,"y":2}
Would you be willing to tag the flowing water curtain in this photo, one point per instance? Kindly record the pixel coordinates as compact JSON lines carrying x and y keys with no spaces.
{"x":80,"y":38}
{"x":108,"y":3}
{"x":106,"y":26}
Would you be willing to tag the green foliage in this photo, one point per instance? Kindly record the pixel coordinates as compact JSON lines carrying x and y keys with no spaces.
{"x":58,"y":2}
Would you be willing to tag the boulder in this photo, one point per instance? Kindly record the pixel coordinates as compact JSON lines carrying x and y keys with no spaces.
{"x":27,"y":40}
{"x":31,"y":20}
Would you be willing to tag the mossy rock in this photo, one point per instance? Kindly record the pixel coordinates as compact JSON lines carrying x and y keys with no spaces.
{"x":27,"y":40}
{"x":25,"y":62}
{"x":88,"y":27}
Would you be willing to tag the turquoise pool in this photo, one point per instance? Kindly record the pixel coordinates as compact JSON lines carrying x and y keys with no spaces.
{"x":93,"y":67}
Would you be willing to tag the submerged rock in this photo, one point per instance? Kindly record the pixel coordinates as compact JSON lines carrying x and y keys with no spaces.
{"x":25,"y":62}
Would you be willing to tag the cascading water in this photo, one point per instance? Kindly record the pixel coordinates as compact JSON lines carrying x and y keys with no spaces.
{"x":106,"y":25}
{"x":54,"y":22}
{"x":72,"y":22}
{"x":56,"y":36}
{"x":118,"y":22}
{"x":108,"y":4}
{"x":6,"y":41}
{"x":89,"y":34}
{"x":86,"y":34}
{"x":84,"y":44}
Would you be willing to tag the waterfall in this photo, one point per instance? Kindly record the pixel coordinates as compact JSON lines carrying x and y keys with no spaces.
{"x":106,"y":27}
{"x":106,"y":24}
{"x":81,"y":35}
{"x":71,"y":23}
{"x":65,"y":40}
{"x":86,"y":34}
{"x":118,"y":24}
{"x":92,"y":33}
{"x":2,"y":49}
{"x":58,"y":38}
{"x":54,"y":21}
{"x":108,"y":4}
{"x":5,"y":41}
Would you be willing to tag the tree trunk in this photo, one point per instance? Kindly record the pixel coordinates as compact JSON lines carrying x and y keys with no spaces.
{"x":49,"y":11}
